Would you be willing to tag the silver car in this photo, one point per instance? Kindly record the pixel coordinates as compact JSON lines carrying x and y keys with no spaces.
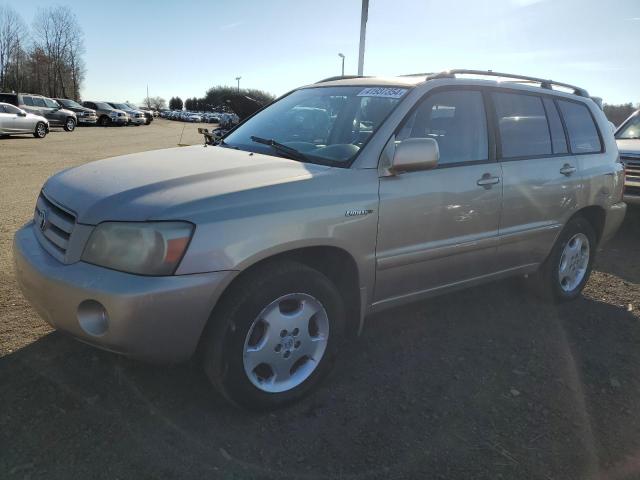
{"x":15,"y":121}
{"x":267,"y":252}
{"x":628,"y":139}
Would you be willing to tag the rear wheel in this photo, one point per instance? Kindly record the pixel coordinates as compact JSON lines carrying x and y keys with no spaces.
{"x":40,"y":131}
{"x":566,"y":271}
{"x":275,"y":336}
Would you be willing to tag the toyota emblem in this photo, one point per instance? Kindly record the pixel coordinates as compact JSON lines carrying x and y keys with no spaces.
{"x":42,"y":220}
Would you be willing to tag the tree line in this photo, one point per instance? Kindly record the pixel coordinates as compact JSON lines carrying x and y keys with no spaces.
{"x":215,"y":99}
{"x":619,"y":113}
{"x":45,"y":59}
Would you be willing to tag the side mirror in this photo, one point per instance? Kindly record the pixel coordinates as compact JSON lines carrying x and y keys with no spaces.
{"x":414,"y":154}
{"x":22,"y":113}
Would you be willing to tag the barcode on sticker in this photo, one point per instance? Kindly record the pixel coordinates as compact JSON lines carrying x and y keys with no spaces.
{"x":386,"y":92}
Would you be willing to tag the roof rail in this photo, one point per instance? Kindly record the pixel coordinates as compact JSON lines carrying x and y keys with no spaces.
{"x":544,"y":83}
{"x":340,"y":77}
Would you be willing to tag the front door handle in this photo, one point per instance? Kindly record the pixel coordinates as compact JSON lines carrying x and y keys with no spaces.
{"x":567,"y":169}
{"x":488,"y":180}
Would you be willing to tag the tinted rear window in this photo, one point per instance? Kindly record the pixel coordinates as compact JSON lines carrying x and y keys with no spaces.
{"x":8,"y":98}
{"x":558,"y":140}
{"x":583,"y":134}
{"x":522,"y":123}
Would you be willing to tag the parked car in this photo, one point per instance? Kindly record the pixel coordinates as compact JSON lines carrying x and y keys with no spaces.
{"x":405,"y":189}
{"x":44,"y":107}
{"x":15,"y":121}
{"x":135,"y":117}
{"x":107,"y":115}
{"x":628,"y":139}
{"x":148,"y":115}
{"x":85,"y":116}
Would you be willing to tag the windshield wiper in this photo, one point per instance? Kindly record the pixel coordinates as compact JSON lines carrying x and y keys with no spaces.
{"x":281,"y":148}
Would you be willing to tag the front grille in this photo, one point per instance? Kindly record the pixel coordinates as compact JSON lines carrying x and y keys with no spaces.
{"x":633,"y":191}
{"x":631,"y":169}
{"x":54,"y":225}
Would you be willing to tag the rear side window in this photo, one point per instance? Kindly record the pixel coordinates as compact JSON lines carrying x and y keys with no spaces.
{"x":39,"y":102}
{"x":558,"y":140}
{"x":522,"y":124}
{"x":28,"y":101}
{"x":456,"y":120}
{"x":583,"y":134}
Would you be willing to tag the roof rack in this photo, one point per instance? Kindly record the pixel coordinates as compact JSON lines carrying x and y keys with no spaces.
{"x":340,"y":77}
{"x":544,"y":83}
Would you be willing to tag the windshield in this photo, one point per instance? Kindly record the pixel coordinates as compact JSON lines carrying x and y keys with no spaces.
{"x":328,"y":125}
{"x":631,"y":129}
{"x":121,"y":106}
{"x":69,"y":103}
{"x":103,"y":106}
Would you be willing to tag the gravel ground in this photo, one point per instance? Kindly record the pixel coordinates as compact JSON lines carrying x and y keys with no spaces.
{"x":481,"y":384}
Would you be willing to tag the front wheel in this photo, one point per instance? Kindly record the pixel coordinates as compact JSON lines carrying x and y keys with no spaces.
{"x":104,"y":121}
{"x":40,"y":131}
{"x":274,"y":336}
{"x":566,"y":271}
{"x":70,"y":125}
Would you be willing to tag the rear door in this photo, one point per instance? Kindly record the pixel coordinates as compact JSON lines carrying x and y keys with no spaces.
{"x":542,"y":182}
{"x":7,"y":124}
{"x":439,"y":228}
{"x":28,"y":104}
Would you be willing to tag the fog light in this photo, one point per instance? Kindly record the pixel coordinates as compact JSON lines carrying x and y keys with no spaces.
{"x":93,"y":318}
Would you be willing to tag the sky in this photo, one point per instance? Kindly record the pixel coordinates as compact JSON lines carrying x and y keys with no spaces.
{"x":182,"y":48}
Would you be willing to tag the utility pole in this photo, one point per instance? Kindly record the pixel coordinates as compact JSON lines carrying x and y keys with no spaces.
{"x":342,"y":57}
{"x":238,"y":79}
{"x":147,"y":99}
{"x":363,"y":33}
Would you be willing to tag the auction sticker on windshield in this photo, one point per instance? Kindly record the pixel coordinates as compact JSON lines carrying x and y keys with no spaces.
{"x":386,"y":92}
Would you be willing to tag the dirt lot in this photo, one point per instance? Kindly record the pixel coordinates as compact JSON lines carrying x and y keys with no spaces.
{"x":483,"y":384}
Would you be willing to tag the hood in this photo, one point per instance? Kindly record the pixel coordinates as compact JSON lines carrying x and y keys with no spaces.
{"x":146,"y":186}
{"x":629,"y":146}
{"x":66,"y":111}
{"x":81,"y":109}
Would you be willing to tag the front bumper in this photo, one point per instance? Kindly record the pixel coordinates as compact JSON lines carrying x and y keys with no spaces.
{"x":87,"y":120}
{"x":120,"y":120}
{"x":613,"y":219}
{"x":157,"y":319}
{"x":137,"y":121}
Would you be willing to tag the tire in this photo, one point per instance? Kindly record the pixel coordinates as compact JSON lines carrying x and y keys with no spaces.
{"x":553,"y":285}
{"x":69,"y":125}
{"x":237,"y":335}
{"x":40,"y":130}
{"x":104,"y":121}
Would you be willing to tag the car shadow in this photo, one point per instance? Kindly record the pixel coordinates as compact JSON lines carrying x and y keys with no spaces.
{"x":621,"y":254}
{"x":485,"y":383}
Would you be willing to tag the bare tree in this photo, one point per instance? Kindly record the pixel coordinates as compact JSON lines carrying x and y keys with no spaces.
{"x":157,"y":103}
{"x":58,"y":34}
{"x":13,"y":33}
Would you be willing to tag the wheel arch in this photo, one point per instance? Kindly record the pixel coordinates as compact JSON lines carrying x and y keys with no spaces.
{"x":596,"y":216}
{"x":334,"y":262}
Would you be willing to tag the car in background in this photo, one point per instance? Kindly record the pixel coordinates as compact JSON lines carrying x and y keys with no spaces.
{"x":148,"y":114}
{"x":107,"y":115}
{"x":85,"y":116}
{"x":136,"y":117}
{"x":15,"y":121}
{"x":628,"y":140}
{"x":44,"y":107}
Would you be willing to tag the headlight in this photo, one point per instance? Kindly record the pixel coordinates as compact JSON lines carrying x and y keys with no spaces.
{"x":153,"y":248}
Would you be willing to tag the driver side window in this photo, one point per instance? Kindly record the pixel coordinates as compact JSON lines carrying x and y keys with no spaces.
{"x":456,"y":120}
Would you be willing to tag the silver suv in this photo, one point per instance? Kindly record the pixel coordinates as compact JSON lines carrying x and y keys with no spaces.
{"x":340,"y":199}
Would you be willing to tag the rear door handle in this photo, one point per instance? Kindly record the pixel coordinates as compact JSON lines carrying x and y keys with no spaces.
{"x":567,"y":169}
{"x":487,"y":180}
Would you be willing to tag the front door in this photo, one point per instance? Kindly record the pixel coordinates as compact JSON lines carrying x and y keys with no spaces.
{"x":439,"y":228}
